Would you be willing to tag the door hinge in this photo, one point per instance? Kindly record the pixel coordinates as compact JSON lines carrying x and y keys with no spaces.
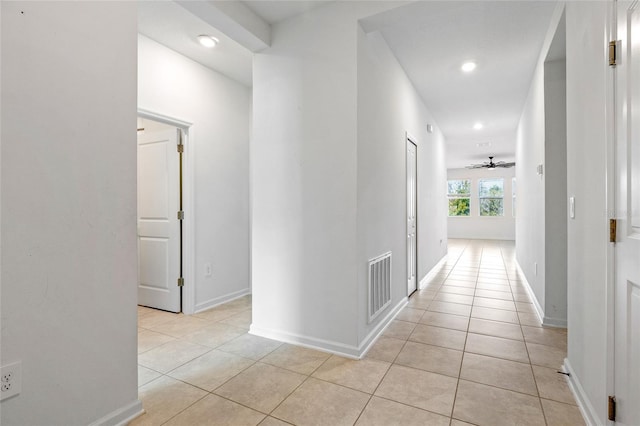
{"x":613,"y":225}
{"x":180,"y":143}
{"x":613,"y":53}
{"x":181,"y":215}
{"x":612,"y":408}
{"x":180,"y":282}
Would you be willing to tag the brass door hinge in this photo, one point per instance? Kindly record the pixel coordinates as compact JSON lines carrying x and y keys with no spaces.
{"x":613,"y":225}
{"x":180,"y":282}
{"x":612,"y":408}
{"x":181,"y":215}
{"x":613,"y":53}
{"x":180,"y":143}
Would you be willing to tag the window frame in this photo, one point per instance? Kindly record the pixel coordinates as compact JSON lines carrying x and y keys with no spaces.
{"x":481,"y":198}
{"x":455,"y":196}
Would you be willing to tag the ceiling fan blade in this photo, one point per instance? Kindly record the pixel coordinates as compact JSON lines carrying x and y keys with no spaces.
{"x":505,"y":165}
{"x":477,"y":166}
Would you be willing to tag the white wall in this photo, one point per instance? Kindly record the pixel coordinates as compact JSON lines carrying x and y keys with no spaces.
{"x":541,"y":204}
{"x":485,"y":227}
{"x":304,"y":165}
{"x":69,"y":210}
{"x":530,"y":225}
{"x":218,"y":107}
{"x":587,"y":124}
{"x":555,"y":177}
{"x":388,"y":107}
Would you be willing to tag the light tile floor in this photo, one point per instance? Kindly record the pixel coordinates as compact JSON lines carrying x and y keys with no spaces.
{"x":468,"y":349}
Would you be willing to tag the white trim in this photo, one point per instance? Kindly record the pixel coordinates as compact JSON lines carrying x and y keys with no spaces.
{"x":188,"y":248}
{"x":554,"y":322}
{"x":409,"y":139}
{"x":171,"y":121}
{"x":189,"y":224}
{"x":532,"y":295}
{"x":586,"y":408}
{"x":377,"y":331}
{"x":347,"y":351}
{"x":211,"y":303}
{"x":544,"y":320}
{"x":433,"y":272}
{"x":611,"y":120}
{"x":121,"y":416}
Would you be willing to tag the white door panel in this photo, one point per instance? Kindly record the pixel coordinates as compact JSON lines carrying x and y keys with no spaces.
{"x":154,"y":261}
{"x":411,"y":217}
{"x":627,"y":248}
{"x":158,"y":225}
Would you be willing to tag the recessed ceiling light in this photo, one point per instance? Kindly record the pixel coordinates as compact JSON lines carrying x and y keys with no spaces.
{"x":468,"y":66}
{"x":208,"y":41}
{"x":483,"y":144}
{"x":478,"y":126}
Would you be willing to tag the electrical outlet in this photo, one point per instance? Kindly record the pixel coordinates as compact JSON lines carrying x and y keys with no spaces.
{"x":207,"y":269}
{"x":10,"y":380}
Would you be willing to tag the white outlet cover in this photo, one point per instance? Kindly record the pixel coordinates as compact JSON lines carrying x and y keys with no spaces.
{"x":10,"y":380}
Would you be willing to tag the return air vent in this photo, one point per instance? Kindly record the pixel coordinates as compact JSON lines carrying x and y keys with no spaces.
{"x":379,"y":284}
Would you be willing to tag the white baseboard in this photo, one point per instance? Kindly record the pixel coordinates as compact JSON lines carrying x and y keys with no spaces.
{"x":211,"y":303}
{"x":347,"y":351}
{"x":544,"y":320}
{"x":554,"y":322}
{"x":532,"y":295}
{"x":341,"y":349}
{"x":586,"y":408}
{"x":121,"y":416}
{"x":371,"y":338}
{"x":432,"y":272}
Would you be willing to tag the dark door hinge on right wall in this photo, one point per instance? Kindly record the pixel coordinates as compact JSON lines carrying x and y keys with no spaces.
{"x":613,"y":53}
{"x":613,"y":227}
{"x":612,"y":408}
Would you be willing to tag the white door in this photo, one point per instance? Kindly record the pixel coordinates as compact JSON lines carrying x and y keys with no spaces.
{"x":411,"y":217}
{"x":158,"y":224}
{"x":627,"y":248}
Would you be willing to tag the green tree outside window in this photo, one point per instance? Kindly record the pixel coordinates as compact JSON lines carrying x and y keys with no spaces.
{"x":459,"y":194}
{"x":491,"y":197}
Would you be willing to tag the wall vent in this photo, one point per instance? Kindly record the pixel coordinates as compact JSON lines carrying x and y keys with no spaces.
{"x":379,"y":285}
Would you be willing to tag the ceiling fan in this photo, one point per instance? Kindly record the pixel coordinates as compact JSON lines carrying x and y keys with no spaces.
{"x":491,"y":165}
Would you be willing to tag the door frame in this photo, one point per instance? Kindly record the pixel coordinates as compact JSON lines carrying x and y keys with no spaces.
{"x":409,"y":139}
{"x":610,"y":194}
{"x":188,"y":225}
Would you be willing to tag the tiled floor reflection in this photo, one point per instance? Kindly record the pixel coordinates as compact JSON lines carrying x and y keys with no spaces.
{"x":468,"y":349}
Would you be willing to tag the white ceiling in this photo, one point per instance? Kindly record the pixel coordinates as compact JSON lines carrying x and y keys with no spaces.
{"x":173,"y":26}
{"x":431,"y":40}
{"x":276,"y":11}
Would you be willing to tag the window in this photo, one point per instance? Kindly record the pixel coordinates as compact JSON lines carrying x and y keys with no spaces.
{"x":459,"y":193}
{"x":491,"y":197}
{"x":513,"y":196}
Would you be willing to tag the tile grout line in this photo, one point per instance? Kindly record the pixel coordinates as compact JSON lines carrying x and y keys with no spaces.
{"x":455,"y":394}
{"x":526,"y":348}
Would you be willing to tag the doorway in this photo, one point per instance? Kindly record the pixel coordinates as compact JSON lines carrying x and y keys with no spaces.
{"x":160,"y":215}
{"x":412,"y":210}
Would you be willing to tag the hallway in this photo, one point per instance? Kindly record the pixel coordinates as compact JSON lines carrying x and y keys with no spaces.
{"x":468,"y":348}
